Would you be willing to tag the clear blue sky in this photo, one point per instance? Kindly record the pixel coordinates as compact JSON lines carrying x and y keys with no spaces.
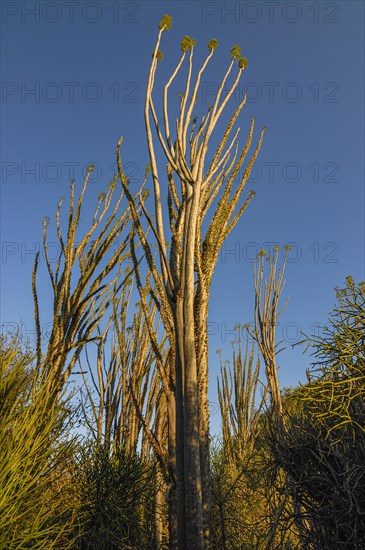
{"x":87,"y":65}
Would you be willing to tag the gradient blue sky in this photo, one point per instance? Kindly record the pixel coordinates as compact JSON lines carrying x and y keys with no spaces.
{"x":88,"y":64}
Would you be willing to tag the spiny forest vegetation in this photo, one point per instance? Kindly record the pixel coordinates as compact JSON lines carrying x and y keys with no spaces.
{"x":104,"y":427}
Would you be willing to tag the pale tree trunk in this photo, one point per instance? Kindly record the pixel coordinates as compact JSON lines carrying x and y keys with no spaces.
{"x":159,"y":494}
{"x":178,"y":495}
{"x":201,"y":318}
{"x":192,"y":473}
{"x":171,"y":482}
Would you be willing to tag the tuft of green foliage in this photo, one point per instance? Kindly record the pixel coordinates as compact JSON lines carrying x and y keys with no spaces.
{"x":38,"y":497}
{"x":212,"y":44}
{"x":165,"y":22}
{"x":159,"y":55}
{"x":236,"y":52}
{"x":243,"y":62}
{"x":187,"y":43}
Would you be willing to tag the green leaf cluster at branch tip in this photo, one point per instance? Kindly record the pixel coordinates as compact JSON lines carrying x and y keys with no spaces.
{"x":236,"y":52}
{"x":165,"y":22}
{"x":159,"y":55}
{"x":187,"y":43}
{"x":212,"y":44}
{"x":243,"y":62}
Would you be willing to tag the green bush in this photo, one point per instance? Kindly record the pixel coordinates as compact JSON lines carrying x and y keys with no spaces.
{"x":115,"y":492}
{"x":38,"y":500}
{"x":322,"y":445}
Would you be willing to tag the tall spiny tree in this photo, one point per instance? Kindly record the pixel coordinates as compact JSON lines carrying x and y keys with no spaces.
{"x":186,"y":267}
{"x":267,"y":312}
{"x":96,"y":263}
{"x":267,"y":295}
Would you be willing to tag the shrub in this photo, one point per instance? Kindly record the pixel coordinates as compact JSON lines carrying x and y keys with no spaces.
{"x":115,"y":489}
{"x":38,"y":498}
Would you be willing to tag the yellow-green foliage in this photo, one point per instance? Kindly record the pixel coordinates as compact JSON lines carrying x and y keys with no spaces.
{"x":116,"y":494}
{"x":236,"y":52}
{"x":243,"y":62}
{"x":336,"y":394}
{"x":245,"y":497}
{"x":37,"y":498}
{"x":187,"y":43}
{"x":245,"y":504}
{"x":165,"y":22}
{"x":212,"y":44}
{"x":159,"y":55}
{"x":238,"y":504}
